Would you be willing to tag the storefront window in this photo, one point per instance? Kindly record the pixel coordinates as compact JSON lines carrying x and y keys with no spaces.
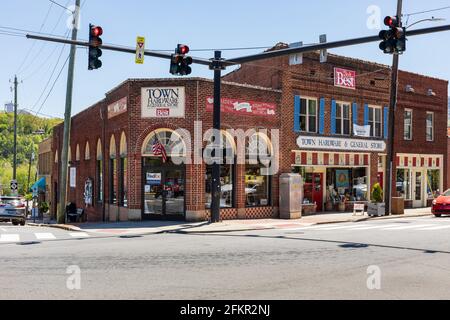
{"x":123,"y":182}
{"x":257,"y":187}
{"x":227,"y":186}
{"x":348,"y":184}
{"x":403,"y":184}
{"x":113,"y":181}
{"x":433,"y":183}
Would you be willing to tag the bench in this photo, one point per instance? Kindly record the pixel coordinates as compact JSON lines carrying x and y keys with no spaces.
{"x":75,"y":216}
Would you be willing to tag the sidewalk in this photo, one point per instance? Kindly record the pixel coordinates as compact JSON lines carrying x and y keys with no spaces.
{"x":158,"y":227}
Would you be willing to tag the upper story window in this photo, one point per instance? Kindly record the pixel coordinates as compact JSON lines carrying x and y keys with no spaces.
{"x":408,"y":120}
{"x":343,"y":124}
{"x":375,"y":121}
{"x":308,"y":115}
{"x":430,"y":126}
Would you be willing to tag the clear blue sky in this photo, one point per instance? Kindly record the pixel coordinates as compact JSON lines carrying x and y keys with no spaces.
{"x":234,"y":23}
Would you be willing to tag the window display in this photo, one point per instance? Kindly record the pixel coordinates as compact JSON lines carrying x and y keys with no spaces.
{"x":227,"y":186}
{"x":256,"y":187}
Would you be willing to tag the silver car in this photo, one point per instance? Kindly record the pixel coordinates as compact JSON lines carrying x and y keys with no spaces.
{"x":12,"y":210}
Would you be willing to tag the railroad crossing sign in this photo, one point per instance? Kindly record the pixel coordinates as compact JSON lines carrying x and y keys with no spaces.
{"x":140,"y":49}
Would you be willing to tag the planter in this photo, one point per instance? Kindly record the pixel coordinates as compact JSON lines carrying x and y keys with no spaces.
{"x":376,"y":209}
{"x":329,"y":206}
{"x":309,"y":209}
{"x":341,"y":207}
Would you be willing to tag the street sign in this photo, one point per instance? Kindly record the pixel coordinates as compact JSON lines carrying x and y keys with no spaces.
{"x":14,"y":187}
{"x":323,"y":53}
{"x":140,"y":49}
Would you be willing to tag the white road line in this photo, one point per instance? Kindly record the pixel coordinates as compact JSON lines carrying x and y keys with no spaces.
{"x":417,"y":226}
{"x":434,"y":228}
{"x":3,"y":229}
{"x":79,"y":235}
{"x":342,"y":227}
{"x":45,"y":236}
{"x":9,"y":238}
{"x":376,"y":227}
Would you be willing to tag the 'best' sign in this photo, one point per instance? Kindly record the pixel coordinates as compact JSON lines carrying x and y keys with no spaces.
{"x":345,"y":78}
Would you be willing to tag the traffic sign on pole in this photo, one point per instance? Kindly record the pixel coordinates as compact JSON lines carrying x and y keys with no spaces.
{"x":140,"y":50}
{"x":14,"y":187}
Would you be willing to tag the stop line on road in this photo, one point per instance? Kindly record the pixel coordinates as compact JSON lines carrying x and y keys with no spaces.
{"x":41,"y":236}
{"x":365,"y":227}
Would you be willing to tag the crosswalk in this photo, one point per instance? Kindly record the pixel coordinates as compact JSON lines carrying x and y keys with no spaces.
{"x":40,"y":236}
{"x":381,"y":227}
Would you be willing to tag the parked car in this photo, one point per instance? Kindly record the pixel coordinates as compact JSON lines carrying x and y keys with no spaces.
{"x":441,"y":205}
{"x":12,"y":210}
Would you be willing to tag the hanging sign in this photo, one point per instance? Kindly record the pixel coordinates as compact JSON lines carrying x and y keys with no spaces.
{"x":140,"y":50}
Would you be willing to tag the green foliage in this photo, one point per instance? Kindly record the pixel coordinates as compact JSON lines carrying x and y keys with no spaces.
{"x":43,"y":207}
{"x":27,"y":143}
{"x":377,"y":193}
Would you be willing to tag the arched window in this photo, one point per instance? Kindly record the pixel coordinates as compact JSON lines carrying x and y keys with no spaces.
{"x":56,"y":157}
{"x":112,"y":171}
{"x":123,"y":172}
{"x":99,"y":171}
{"x":227,"y":169}
{"x":171,"y":142}
{"x":257,"y":181}
{"x":77,"y":153}
{"x":87,"y":152}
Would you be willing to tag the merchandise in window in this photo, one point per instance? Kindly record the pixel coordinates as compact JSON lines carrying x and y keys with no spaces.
{"x":403,"y":184}
{"x":257,"y":188}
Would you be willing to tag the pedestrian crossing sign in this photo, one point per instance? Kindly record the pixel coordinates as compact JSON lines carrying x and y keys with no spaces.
{"x":140,"y":50}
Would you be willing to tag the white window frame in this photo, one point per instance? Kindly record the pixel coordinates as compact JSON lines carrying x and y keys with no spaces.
{"x":411,"y":125}
{"x":307,"y":115}
{"x":372,"y":109}
{"x":432,"y":126}
{"x":340,"y":104}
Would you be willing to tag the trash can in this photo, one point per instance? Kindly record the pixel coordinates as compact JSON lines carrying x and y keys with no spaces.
{"x":398,"y":206}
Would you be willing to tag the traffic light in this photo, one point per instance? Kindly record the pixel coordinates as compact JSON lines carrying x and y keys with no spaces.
{"x":95,"y":42}
{"x":180,"y":63}
{"x":394,"y":39}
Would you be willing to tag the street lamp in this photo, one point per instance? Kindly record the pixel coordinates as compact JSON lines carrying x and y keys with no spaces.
{"x":432,"y":19}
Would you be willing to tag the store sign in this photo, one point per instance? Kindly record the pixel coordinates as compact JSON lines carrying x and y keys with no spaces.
{"x":117,"y":108}
{"x":154,"y":178}
{"x":361,"y":131}
{"x":344,"y":78}
{"x":243,"y":107}
{"x":325,"y":143}
{"x":163,"y":102}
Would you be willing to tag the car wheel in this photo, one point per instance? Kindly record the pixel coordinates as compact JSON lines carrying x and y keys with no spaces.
{"x":438,"y":215}
{"x":22,"y":223}
{"x":15,"y":223}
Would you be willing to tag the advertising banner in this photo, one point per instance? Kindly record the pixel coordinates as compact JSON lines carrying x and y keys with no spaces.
{"x":344,"y":78}
{"x":243,"y":107}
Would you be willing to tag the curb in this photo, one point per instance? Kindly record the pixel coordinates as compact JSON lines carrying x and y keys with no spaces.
{"x":56,"y":226}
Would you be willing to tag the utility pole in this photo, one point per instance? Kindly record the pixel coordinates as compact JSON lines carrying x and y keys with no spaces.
{"x":392,"y":110}
{"x":216,"y":188}
{"x":15,"y":129}
{"x":61,"y":215}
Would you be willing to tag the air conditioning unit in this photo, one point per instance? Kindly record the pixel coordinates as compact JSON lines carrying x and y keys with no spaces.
{"x":410,"y":89}
{"x":431,"y":93}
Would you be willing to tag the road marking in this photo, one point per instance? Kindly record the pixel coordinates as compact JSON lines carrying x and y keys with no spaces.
{"x":342,"y":227}
{"x":435,"y":228}
{"x":79,"y":235}
{"x":409,"y":227}
{"x":3,"y":229}
{"x":45,"y":236}
{"x":9,"y":238}
{"x":376,"y":227}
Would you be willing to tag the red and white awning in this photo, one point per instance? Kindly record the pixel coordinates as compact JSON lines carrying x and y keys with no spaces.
{"x":419,"y":161}
{"x":331,"y":159}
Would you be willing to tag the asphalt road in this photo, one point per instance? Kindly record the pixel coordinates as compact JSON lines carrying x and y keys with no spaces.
{"x":401,"y":258}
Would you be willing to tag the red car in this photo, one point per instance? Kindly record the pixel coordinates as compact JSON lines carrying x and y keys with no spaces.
{"x":441,"y":205}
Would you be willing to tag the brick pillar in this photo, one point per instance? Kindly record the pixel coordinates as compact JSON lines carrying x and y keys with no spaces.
{"x":239,"y":190}
{"x":195,"y":192}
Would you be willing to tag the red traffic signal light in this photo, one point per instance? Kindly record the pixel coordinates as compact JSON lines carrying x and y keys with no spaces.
{"x":96,"y":31}
{"x":391,"y":22}
{"x":182,"y":49}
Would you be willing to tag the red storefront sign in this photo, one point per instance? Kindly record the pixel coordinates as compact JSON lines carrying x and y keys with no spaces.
{"x":344,"y":78}
{"x":242,"y":107}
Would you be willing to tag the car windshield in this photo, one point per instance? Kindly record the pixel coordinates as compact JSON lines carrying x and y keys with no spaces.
{"x":11,"y":201}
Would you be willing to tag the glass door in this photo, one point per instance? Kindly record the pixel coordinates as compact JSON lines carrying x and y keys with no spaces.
{"x":418,"y":189}
{"x":174,"y":192}
{"x":153,"y":193}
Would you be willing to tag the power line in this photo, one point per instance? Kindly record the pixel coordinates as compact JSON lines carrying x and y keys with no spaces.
{"x":60,"y":5}
{"x":426,"y":11}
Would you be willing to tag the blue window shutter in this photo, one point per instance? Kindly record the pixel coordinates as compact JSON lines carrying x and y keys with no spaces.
{"x":386,"y":122}
{"x":297,"y":114}
{"x":333,"y":116}
{"x":355,"y":114}
{"x":366,"y":114}
{"x":322,"y":116}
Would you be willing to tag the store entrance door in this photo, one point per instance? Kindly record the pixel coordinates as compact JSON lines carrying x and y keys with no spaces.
{"x":418,"y":189}
{"x":317,"y":192}
{"x":163,"y":194}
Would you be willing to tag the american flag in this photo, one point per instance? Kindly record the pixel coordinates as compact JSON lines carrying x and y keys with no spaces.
{"x":159,"y":150}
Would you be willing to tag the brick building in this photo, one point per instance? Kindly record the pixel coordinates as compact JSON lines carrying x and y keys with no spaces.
{"x":117,"y":173}
{"x":334,"y":124}
{"x":45,"y":168}
{"x":332,"y":120}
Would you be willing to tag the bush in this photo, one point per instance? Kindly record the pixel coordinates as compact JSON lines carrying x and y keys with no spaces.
{"x":377,"y":193}
{"x":43,"y":207}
